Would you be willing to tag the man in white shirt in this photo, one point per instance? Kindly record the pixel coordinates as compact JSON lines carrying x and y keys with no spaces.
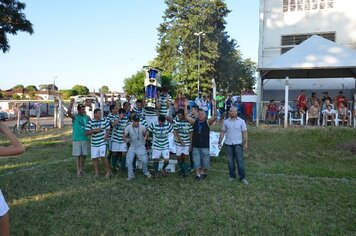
{"x":236,"y":141}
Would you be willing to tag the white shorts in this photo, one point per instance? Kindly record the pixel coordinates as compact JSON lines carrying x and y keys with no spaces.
{"x":118,"y":147}
{"x":97,"y":152}
{"x":156,"y":154}
{"x":181,"y":149}
{"x":4,"y":208}
{"x":151,"y":119}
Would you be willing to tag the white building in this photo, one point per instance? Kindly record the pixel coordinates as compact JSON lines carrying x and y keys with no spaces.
{"x":287,"y":23}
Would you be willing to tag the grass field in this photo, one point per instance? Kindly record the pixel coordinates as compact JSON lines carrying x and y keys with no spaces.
{"x":302,"y":182}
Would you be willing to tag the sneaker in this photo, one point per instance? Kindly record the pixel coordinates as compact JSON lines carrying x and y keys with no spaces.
{"x":244,"y":181}
{"x":156,"y":176}
{"x":130,"y":178}
{"x":148,"y":175}
{"x":231,"y":179}
{"x":108,"y":175}
{"x":164,"y":172}
{"x":198,"y":178}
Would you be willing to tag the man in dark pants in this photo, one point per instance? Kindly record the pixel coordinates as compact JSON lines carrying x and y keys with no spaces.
{"x":236,"y":141}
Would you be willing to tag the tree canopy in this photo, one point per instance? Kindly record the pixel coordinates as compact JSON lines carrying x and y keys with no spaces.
{"x":105,"y":89}
{"x":80,"y":90}
{"x":12,"y":20}
{"x":185,"y":23}
{"x":31,"y":88}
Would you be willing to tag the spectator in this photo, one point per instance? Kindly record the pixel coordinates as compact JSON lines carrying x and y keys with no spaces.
{"x":248,"y":106}
{"x":272,"y":111}
{"x":340,"y":99}
{"x":302,"y":102}
{"x":329,"y":115}
{"x":343,"y":114}
{"x":314,"y":112}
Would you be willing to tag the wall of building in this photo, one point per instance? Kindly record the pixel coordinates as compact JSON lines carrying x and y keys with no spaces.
{"x":274,"y":23}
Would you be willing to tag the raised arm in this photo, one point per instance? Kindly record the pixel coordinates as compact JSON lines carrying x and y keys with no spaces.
{"x":213,"y":118}
{"x":186,"y":115}
{"x":16,"y":147}
{"x":70,"y":107}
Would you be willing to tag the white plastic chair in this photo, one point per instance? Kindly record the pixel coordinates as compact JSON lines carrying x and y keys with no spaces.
{"x":338,"y":120}
{"x":307,"y":118}
{"x":329,"y":120}
{"x":292,"y":119}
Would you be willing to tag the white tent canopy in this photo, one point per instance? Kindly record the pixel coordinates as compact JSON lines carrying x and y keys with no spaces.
{"x":316,"y":57}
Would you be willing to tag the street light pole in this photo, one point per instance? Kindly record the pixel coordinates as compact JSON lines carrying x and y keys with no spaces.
{"x":199,"y":42}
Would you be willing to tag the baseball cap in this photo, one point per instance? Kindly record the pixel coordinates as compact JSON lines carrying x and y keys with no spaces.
{"x":136,"y":118}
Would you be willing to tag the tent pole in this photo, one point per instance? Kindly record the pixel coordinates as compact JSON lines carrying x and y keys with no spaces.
{"x":259,"y":97}
{"x":286,"y":95}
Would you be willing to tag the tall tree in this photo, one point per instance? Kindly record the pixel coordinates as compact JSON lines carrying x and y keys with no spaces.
{"x":80,"y":90}
{"x":12,"y":20}
{"x":185,"y":23}
{"x":104,"y":89}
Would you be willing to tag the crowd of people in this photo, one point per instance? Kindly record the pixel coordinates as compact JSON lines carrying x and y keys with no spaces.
{"x":315,"y":111}
{"x":140,"y":132}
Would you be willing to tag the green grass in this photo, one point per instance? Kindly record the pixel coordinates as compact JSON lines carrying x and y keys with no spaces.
{"x":301,"y":183}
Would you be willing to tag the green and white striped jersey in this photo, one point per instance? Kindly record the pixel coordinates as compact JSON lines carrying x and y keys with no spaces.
{"x":184,"y":128}
{"x":150,"y":111}
{"x":118,"y":131}
{"x":160,"y":135}
{"x":162,"y":100}
{"x":97,"y":139}
{"x":110,"y":119}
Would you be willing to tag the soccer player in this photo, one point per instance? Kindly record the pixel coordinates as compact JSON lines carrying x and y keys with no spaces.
{"x":160,"y":131}
{"x":118,"y":144}
{"x":183,"y":133}
{"x":99,"y":129}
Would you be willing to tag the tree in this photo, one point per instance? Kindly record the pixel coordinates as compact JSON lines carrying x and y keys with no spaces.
{"x":12,"y":20}
{"x":105,"y":89}
{"x":134,"y":85}
{"x":66,"y":93}
{"x":178,"y":49}
{"x":16,"y":96}
{"x":80,"y":90}
{"x":31,"y":88}
{"x":19,"y":86}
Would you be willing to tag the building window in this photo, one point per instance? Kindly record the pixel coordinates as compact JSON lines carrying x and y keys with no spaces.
{"x":306,"y":5}
{"x":290,"y":41}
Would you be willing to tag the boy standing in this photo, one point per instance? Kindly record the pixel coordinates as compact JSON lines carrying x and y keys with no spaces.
{"x":99,"y":129}
{"x":80,"y":140}
{"x":183,"y":133}
{"x":118,"y":144}
{"x":160,"y":131}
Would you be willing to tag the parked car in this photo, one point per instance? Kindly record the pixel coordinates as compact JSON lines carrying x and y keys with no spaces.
{"x":3,"y":116}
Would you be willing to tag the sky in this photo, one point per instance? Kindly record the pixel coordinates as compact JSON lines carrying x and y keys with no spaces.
{"x":96,"y":43}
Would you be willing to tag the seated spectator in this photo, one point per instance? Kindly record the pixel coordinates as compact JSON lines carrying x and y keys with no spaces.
{"x":326,"y":103}
{"x":281,"y":110}
{"x":314,"y":111}
{"x":329,"y":115}
{"x":340,"y":99}
{"x":343,"y":114}
{"x":272,"y":111}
